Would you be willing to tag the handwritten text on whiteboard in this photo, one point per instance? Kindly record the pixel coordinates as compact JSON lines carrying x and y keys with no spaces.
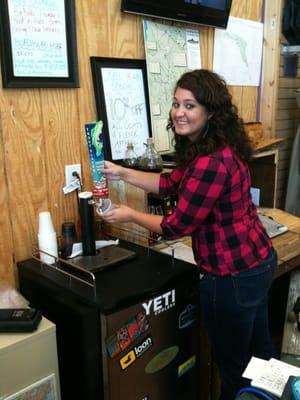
{"x":38,"y":38}
{"x":126,"y":109}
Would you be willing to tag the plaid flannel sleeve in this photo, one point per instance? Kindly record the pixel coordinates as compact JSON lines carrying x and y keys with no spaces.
{"x":169,"y":182}
{"x":198,"y":192}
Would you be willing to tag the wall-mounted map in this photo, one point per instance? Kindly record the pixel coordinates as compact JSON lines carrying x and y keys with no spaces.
{"x":170,"y":51}
{"x":238,"y":52}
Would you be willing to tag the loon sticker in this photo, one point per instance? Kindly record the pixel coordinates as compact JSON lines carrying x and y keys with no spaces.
{"x":188,"y":316}
{"x":135,"y":353}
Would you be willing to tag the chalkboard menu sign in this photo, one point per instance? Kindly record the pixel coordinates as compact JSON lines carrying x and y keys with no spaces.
{"x":38,"y":43}
{"x":122,"y":101}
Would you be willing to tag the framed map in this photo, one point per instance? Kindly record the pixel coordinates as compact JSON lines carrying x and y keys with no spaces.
{"x":170,"y":51}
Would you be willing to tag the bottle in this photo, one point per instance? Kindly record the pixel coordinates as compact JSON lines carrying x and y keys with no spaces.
{"x":68,"y":237}
{"x":151,"y":160}
{"x":130,"y":158}
{"x":153,"y":236}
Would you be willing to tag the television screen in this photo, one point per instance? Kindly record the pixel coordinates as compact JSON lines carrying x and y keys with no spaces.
{"x":204,"y":12}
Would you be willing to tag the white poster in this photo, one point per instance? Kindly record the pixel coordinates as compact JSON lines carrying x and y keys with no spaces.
{"x":126,"y":109}
{"x":238,"y":52}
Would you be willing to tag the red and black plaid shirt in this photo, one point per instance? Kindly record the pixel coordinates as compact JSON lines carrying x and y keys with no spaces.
{"x":215,"y":208}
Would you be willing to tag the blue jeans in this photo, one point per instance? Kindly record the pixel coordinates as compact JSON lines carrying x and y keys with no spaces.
{"x":235,"y":313}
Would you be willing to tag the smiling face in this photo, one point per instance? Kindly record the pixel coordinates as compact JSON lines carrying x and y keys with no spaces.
{"x":188,"y":116}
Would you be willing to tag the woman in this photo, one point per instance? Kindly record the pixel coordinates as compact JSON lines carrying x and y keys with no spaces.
{"x":230,"y":245}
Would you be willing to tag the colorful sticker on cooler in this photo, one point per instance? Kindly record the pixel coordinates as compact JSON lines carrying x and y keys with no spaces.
{"x":127,"y":334}
{"x":188,"y":316}
{"x":113,"y":346}
{"x":123,"y":338}
{"x":161,"y":360}
{"x":135,"y":353}
{"x":142,"y":321}
{"x":133,"y":329}
{"x":186,"y":366}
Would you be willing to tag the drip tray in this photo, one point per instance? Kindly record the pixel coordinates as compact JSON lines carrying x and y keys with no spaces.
{"x":106,"y":257}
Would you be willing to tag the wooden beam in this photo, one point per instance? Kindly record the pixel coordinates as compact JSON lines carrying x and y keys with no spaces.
{"x":271,"y":65}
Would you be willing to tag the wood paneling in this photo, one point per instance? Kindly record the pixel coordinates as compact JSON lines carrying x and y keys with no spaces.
{"x":287,"y":118}
{"x":270,"y":75}
{"x":287,"y":103}
{"x":246,"y":97}
{"x":25,"y":166}
{"x":287,"y":83}
{"x":291,"y":113}
{"x":42,"y":130}
{"x":6,"y":243}
{"x":62,"y":146}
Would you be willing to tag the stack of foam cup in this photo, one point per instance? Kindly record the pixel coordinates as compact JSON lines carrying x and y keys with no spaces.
{"x":47,"y":239}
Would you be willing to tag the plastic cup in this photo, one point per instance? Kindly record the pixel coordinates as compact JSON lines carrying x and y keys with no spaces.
{"x":106,"y":206}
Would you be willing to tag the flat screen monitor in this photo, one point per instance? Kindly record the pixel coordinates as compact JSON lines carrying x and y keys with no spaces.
{"x":204,"y":12}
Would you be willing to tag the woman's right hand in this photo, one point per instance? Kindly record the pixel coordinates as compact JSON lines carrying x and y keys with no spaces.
{"x":112,"y":171}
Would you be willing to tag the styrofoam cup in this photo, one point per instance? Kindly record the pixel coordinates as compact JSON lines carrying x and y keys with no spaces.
{"x":48,"y":247}
{"x":45,"y":223}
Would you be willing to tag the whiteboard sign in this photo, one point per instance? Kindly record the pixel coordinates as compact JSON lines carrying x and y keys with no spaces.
{"x":125,"y":109}
{"x":38,"y":38}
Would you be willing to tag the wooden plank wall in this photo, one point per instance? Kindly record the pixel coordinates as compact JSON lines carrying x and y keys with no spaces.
{"x":270,"y":67}
{"x":278,"y":112}
{"x":286,"y":126}
{"x":42,"y":129}
{"x":286,"y":115}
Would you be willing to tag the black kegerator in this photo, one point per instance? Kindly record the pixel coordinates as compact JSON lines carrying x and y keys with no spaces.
{"x":129,"y":331}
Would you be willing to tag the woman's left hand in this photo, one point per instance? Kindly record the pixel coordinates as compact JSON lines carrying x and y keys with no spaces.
{"x":119,"y":213}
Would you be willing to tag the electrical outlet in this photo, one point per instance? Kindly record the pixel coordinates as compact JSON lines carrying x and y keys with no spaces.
{"x":69,"y":169}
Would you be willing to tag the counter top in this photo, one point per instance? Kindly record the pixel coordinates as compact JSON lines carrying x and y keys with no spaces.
{"x":119,"y":285}
{"x":287,"y":245}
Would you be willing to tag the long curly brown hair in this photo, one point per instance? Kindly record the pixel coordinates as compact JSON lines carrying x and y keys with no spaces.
{"x":225,"y":127}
